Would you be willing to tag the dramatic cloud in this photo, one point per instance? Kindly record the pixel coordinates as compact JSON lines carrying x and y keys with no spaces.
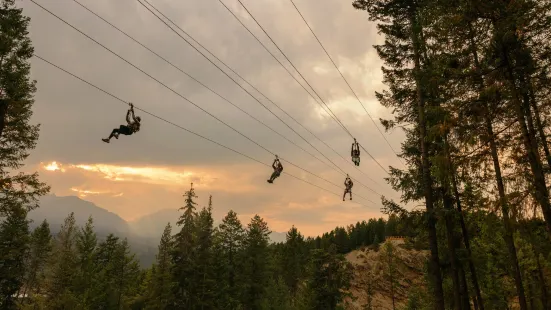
{"x":151,"y":169}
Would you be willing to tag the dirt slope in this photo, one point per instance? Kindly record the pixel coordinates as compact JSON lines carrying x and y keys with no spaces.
{"x":371,"y":268}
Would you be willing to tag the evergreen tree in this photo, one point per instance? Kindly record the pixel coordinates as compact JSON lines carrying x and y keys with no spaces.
{"x":277,"y":295}
{"x":86,"y":246}
{"x":125,"y":274}
{"x":63,"y":266}
{"x":294,"y":259}
{"x":231,"y":237}
{"x":329,"y":277}
{"x":20,"y":191}
{"x":14,"y":243}
{"x":106,"y":258}
{"x":205,"y":283}
{"x":390,"y":270}
{"x":160,"y":284}
{"x":17,"y":136}
{"x":40,"y":250}
{"x":183,"y":255}
{"x":256,"y":260}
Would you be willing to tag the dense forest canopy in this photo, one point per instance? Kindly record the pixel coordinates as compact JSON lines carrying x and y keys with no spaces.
{"x":468,"y":82}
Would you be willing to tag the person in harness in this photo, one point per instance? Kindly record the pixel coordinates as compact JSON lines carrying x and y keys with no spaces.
{"x":348,"y":187}
{"x":355,"y":153}
{"x":278,"y":168}
{"x":132,"y":126}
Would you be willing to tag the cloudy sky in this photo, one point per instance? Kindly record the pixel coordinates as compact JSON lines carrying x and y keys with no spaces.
{"x":149,"y":171}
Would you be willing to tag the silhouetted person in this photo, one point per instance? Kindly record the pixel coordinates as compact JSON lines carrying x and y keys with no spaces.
{"x":133,"y":125}
{"x":347,"y":187}
{"x":355,"y":153}
{"x":278,"y":168}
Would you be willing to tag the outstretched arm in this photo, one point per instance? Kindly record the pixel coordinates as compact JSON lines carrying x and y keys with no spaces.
{"x":134,"y":116}
{"x":128,"y":120}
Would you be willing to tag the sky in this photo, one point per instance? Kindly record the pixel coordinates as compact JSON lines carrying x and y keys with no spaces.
{"x":150,"y":170}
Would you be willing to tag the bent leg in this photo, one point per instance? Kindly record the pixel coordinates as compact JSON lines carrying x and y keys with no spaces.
{"x":114,"y":133}
{"x":273,"y":176}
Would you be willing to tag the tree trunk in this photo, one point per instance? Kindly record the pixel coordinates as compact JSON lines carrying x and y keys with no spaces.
{"x":391,"y":278}
{"x":505,"y":210}
{"x":3,"y":111}
{"x":543,"y":285}
{"x":540,"y":127}
{"x":448,"y":205}
{"x":464,"y":292}
{"x":530,"y":144}
{"x":434,"y":262}
{"x":465,"y":299}
{"x":478,"y":301}
{"x":501,"y":188}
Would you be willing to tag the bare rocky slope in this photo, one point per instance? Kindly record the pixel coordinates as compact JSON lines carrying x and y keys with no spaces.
{"x":371,"y":269}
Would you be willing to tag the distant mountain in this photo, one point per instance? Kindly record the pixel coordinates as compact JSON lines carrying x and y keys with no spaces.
{"x":153,"y":225}
{"x":55,"y":209}
{"x":143,"y":234}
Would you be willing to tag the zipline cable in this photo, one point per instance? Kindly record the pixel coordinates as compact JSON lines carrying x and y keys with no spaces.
{"x":330,"y":113}
{"x":289,"y":72}
{"x":210,"y":89}
{"x":182,"y":128}
{"x":202,"y":84}
{"x":243,"y":80}
{"x":237,"y":83}
{"x":183,"y":97}
{"x":283,"y":53}
{"x":345,"y":80}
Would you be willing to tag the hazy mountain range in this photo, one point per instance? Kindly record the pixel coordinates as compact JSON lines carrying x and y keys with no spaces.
{"x":143,"y":234}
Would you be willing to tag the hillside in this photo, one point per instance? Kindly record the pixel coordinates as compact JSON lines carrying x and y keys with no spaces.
{"x":371,"y":268}
{"x":56,"y":208}
{"x":143,"y":234}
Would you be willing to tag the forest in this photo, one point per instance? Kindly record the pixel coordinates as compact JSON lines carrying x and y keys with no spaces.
{"x":467,"y":81}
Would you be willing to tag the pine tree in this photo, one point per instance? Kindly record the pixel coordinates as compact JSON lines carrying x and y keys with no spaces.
{"x":230,"y":238}
{"x":206,"y":283}
{"x":160,"y":288}
{"x":63,"y":265}
{"x":183,"y":256}
{"x":17,"y":136}
{"x":389,"y":257}
{"x":329,"y":278}
{"x":294,"y":259}
{"x":86,"y":246}
{"x":277,"y":295}
{"x":414,"y":98}
{"x":256,"y":263}
{"x":106,"y":259}
{"x":125,"y":274}
{"x":40,"y":250}
{"x":20,"y":191}
{"x":14,"y":243}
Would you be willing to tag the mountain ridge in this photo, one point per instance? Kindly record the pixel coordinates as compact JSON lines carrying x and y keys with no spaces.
{"x":55,"y":209}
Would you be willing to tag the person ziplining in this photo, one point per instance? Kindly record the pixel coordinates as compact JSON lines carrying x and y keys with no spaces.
{"x":355,"y":153}
{"x":348,"y":187}
{"x":278,"y":168}
{"x":133,"y":125}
